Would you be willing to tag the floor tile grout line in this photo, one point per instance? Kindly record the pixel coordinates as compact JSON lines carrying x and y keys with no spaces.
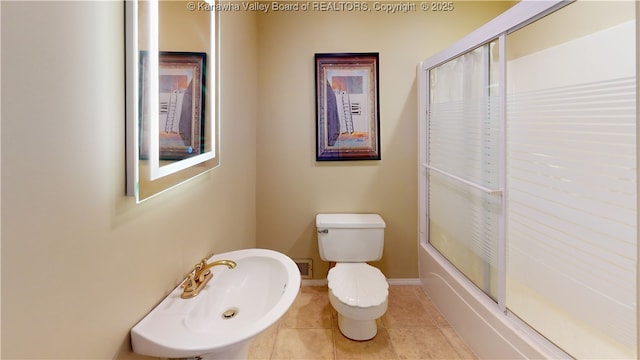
{"x":333,"y":339}
{"x":393,"y":346}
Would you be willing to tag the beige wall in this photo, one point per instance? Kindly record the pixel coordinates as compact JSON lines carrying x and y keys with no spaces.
{"x":292,"y":186}
{"x":82,"y":263}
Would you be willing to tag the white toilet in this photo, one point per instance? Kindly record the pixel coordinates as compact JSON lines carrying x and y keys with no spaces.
{"x":357,"y":291}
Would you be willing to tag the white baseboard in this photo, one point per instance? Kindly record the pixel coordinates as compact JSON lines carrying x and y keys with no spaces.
{"x":401,"y":281}
{"x":314,"y":282}
{"x":407,"y":281}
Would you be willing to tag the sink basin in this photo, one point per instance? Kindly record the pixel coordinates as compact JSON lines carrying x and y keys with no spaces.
{"x":235,"y":306}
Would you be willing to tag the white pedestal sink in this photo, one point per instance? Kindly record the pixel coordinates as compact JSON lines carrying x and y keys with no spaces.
{"x":235,"y":306}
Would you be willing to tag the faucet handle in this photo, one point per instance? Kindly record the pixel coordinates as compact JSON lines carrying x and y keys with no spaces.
{"x":190,"y":283}
{"x":201,"y":265}
{"x":199,"y":269}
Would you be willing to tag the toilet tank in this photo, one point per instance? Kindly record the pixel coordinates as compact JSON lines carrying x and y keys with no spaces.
{"x":350,"y":237}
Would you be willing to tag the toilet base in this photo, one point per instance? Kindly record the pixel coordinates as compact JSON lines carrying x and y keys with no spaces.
{"x":359,"y":330}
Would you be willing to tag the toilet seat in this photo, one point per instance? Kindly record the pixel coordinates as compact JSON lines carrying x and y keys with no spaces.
{"x":358,"y":284}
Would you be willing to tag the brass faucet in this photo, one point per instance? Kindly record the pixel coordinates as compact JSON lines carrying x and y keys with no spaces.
{"x":200,"y":276}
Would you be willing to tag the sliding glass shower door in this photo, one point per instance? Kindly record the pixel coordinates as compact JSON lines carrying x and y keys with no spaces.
{"x":463,"y":157}
{"x":531,"y":173}
{"x":571,"y":178}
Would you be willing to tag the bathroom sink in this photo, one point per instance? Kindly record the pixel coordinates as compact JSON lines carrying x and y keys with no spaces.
{"x":233,"y":307}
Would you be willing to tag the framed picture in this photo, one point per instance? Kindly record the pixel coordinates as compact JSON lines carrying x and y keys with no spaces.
{"x":181,"y":86}
{"x":347,"y":107}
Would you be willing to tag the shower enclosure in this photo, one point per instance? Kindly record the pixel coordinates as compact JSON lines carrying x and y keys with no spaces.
{"x":528,"y":182}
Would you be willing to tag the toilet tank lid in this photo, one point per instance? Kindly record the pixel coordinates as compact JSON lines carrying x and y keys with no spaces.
{"x":353,"y":221}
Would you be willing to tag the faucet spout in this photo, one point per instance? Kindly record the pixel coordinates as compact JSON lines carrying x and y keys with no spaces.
{"x":200,"y":276}
{"x":228,"y":263}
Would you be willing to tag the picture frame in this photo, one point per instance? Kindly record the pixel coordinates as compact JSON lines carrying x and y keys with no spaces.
{"x":347,"y":106}
{"x":182,"y":87}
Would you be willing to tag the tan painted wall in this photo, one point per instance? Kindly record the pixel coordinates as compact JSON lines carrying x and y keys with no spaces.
{"x":82,"y":263}
{"x":292,"y":186}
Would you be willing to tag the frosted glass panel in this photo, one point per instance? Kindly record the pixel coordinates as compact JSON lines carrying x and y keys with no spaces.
{"x":534,"y":197}
{"x":571,"y":181}
{"x":463,"y":141}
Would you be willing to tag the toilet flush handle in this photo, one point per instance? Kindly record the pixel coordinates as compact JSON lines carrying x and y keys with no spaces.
{"x":323,"y":231}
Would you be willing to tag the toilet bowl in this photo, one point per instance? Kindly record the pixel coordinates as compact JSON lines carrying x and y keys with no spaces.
{"x":357,"y":291}
{"x":359,"y":294}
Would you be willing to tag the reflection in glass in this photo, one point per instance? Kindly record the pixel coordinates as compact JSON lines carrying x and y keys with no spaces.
{"x":182,"y":82}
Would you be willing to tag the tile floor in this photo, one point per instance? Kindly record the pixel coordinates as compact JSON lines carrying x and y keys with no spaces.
{"x":412,"y":328}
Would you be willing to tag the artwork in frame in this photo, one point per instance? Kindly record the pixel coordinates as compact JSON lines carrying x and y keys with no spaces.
{"x":181,"y":86}
{"x":347,"y":107}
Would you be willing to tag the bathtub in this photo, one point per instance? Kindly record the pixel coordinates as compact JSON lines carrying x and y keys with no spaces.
{"x":488,"y":332}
